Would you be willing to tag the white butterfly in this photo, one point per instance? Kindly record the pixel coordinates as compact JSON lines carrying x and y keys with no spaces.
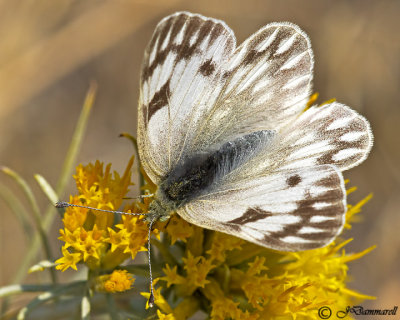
{"x":224,"y":135}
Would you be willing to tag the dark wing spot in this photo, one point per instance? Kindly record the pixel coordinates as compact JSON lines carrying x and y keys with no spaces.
{"x":159,"y":100}
{"x":207,"y":68}
{"x":326,"y":158}
{"x":251,"y":215}
{"x":250,"y":57}
{"x":293,"y":180}
{"x":217,"y":30}
{"x":226,"y":75}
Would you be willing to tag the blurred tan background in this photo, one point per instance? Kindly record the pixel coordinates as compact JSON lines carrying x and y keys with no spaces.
{"x":51,"y":50}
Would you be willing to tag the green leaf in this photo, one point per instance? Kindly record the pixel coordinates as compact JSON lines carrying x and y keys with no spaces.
{"x":45,"y":264}
{"x":18,"y":210}
{"x":36,"y":214}
{"x":85,"y":307}
{"x":66,"y":174}
{"x":46,"y":188}
{"x":77,"y":138}
{"x":112,"y":309}
{"x":49,"y":295}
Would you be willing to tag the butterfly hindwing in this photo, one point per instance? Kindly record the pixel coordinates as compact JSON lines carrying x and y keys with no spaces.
{"x":329,"y":134}
{"x":290,"y":195}
{"x":286,"y":210}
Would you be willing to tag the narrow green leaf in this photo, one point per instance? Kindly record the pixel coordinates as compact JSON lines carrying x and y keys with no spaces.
{"x":112,"y":309}
{"x":45,"y":264}
{"x":46,"y":188}
{"x":66,"y":174}
{"x":85,"y":308}
{"x":20,"y":288}
{"x":18,"y":210}
{"x":36,"y":214}
{"x":49,"y":295}
{"x":77,"y":138}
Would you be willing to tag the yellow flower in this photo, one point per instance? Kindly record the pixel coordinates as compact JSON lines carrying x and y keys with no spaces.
{"x":69,"y":260}
{"x":118,"y":281}
{"x":74,"y":218}
{"x":197,"y":269}
{"x":101,"y":189}
{"x":182,"y":311}
{"x":178,"y":229}
{"x":159,"y":300}
{"x":352,"y":211}
{"x":131,"y":235}
{"x":172,"y":276}
{"x":162,"y":316}
{"x":91,"y":235}
{"x":222,"y":243}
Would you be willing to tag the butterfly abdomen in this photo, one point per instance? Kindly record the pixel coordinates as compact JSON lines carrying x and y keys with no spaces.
{"x":197,"y":174}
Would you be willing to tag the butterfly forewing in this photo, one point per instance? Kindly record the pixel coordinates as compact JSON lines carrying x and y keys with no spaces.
{"x":268,"y":82}
{"x":180,"y":81}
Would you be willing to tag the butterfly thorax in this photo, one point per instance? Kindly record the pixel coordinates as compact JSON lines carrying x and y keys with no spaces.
{"x":196,"y":175}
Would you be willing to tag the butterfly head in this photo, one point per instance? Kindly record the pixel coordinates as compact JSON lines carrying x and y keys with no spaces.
{"x":159,"y":210}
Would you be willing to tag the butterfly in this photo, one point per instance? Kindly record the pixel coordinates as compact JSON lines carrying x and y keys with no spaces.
{"x":225,"y":133}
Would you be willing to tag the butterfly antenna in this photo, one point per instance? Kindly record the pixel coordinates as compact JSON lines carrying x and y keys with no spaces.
{"x":140,"y":197}
{"x":63,"y":204}
{"x":151,"y":298}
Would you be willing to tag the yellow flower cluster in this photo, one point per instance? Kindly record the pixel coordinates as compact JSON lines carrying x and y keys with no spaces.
{"x":92,"y":237}
{"x":117,"y":281}
{"x":240,"y":280}
{"x":224,"y":276}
